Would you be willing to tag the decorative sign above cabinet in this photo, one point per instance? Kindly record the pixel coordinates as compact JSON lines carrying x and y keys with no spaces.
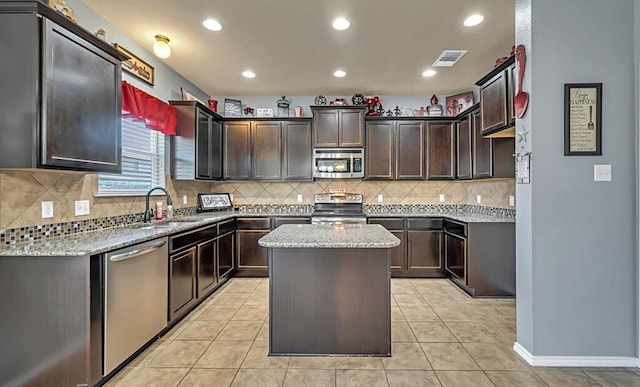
{"x":136,"y":66}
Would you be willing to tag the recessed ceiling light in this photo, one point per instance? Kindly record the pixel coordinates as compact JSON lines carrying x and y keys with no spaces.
{"x":212,"y":24}
{"x":429,"y":73}
{"x":339,"y":74}
{"x":473,"y":20}
{"x":248,"y":74}
{"x":341,"y":24}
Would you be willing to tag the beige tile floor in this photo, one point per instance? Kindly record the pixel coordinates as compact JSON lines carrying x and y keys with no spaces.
{"x":441,"y":337}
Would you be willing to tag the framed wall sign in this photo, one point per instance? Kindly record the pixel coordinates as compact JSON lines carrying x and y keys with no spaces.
{"x":212,"y":202}
{"x":583,"y":119}
{"x":136,"y":66}
{"x":232,"y":108}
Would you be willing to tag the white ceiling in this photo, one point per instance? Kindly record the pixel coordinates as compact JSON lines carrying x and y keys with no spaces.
{"x":293,"y":50}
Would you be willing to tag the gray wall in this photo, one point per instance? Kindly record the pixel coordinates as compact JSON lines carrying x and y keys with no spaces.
{"x":576,"y":238}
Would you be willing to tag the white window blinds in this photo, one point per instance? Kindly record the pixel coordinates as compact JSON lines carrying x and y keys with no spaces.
{"x":142,"y":162}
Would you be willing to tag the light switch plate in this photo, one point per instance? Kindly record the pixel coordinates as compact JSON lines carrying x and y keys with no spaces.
{"x":380,"y":198}
{"x":441,"y":198}
{"x":82,"y":207}
{"x":478,"y":199}
{"x":602,"y":172}
{"x":299,"y":198}
{"x":184,"y":199}
{"x":512,"y":200}
{"x":47,"y":210}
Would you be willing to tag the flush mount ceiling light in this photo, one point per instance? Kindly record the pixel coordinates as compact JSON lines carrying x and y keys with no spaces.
{"x":212,"y":24}
{"x":473,"y":20}
{"x":339,"y":74}
{"x":429,"y":73}
{"x":341,"y":24}
{"x":248,"y":74}
{"x":161,"y":47}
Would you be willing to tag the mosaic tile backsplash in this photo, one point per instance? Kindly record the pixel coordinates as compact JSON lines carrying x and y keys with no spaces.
{"x":21,"y":194}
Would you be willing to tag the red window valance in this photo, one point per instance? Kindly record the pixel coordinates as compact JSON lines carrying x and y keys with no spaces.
{"x":156,"y":114}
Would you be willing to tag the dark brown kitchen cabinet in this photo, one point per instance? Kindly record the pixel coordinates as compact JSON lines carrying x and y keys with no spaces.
{"x":297,"y":155}
{"x":492,"y":157}
{"x":424,"y":247}
{"x":266,"y":160}
{"x":398,"y":254}
{"x":464,"y":148}
{"x":207,"y":253}
{"x":496,"y":98}
{"x":251,"y":259}
{"x":182,"y":282}
{"x":225,"y":253}
{"x":237,"y":150}
{"x":394,"y":150}
{"x":63,"y":110}
{"x":441,"y":152}
{"x":338,"y":127}
{"x":196,"y":149}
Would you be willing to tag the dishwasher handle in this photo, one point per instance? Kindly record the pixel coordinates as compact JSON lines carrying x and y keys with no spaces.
{"x":135,"y":253}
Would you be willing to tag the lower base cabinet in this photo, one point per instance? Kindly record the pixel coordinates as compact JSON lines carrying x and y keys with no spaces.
{"x":182,"y":291}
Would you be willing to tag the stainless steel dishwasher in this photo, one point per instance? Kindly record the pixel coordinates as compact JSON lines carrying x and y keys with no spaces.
{"x":135,"y":304}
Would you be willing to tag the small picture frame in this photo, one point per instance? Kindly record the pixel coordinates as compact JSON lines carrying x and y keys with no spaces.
{"x":186,"y":96}
{"x":456,"y":104}
{"x":232,"y":107}
{"x":583,"y":119}
{"x":264,"y":112}
{"x":214,"y":202}
{"x":136,"y":66}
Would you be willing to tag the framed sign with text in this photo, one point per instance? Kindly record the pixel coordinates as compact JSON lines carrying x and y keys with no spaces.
{"x":583,"y":119}
{"x":136,"y":66}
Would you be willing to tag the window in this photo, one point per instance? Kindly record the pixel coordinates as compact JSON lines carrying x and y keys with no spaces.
{"x":142,"y":162}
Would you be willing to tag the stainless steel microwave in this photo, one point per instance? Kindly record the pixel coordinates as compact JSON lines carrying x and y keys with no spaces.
{"x":338,"y":163}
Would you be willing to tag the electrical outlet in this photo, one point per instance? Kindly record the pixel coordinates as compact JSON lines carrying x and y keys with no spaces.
{"x":231,"y":197}
{"x":299,"y":198}
{"x":184,"y":199}
{"x":380,"y":198}
{"x":82,"y":207}
{"x":478,"y":199}
{"x":512,"y":200}
{"x":602,"y":172}
{"x":47,"y":210}
{"x":441,"y":198}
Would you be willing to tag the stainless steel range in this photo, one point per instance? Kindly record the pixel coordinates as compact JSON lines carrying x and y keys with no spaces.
{"x":338,"y":208}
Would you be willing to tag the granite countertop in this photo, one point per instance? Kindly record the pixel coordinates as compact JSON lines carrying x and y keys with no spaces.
{"x":352,"y":236}
{"x":101,"y":241}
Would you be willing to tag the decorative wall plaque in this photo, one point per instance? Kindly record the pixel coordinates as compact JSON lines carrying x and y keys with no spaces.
{"x":583,"y":119}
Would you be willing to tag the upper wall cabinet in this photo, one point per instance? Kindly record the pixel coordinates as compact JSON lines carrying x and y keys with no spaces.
{"x":61,"y":102}
{"x":441,"y":151}
{"x":394,"y":150}
{"x":496,"y":100}
{"x":338,"y":126}
{"x":196,"y":149}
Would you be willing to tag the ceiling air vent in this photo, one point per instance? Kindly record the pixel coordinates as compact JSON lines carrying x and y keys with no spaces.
{"x":449,"y":57}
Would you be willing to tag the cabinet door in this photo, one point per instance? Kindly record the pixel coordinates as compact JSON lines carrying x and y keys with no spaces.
{"x":81,"y":106}
{"x":482,"y":149}
{"x":351,"y":125}
{"x":463,"y":142}
{"x":379,"y":152}
{"x":203,"y":145}
{"x":206,"y":267}
{"x":215,"y":151}
{"x":237,"y":150}
{"x":182,"y":290}
{"x":511,"y":92}
{"x":226,"y":246}
{"x":493,"y":103}
{"x":250,"y":254}
{"x":424,"y":250}
{"x":441,"y":151}
{"x":398,"y":256}
{"x":456,"y":256}
{"x":325,"y":128}
{"x":298,"y":153}
{"x":409,"y":150}
{"x":267,"y":150}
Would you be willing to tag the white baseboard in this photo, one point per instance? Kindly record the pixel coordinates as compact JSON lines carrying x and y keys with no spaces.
{"x":575,"y":361}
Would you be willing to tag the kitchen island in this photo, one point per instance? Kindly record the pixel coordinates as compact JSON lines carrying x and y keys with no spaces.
{"x":329,"y":289}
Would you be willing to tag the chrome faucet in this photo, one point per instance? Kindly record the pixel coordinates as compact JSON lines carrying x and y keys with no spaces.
{"x":147,"y":212}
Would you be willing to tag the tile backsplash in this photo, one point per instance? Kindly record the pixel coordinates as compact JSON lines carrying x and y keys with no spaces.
{"x":21,"y":194}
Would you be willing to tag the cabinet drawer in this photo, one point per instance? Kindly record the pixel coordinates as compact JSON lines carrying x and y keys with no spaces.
{"x":253,"y":223}
{"x":424,"y":223}
{"x":189,"y":238}
{"x":226,"y":226}
{"x":290,"y":220}
{"x":389,"y":223}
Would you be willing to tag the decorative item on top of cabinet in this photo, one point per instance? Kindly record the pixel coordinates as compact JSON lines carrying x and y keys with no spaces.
{"x":52,"y":120}
{"x":441,"y":150}
{"x":196,"y":149}
{"x":456,"y":104}
{"x":496,"y":100}
{"x":283,"y":107}
{"x":434,"y":109}
{"x":320,"y":100}
{"x":338,"y":126}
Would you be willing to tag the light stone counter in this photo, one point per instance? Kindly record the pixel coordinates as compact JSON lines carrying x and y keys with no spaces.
{"x":356,"y":236}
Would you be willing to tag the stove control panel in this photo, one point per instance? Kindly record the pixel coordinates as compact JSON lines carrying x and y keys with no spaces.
{"x":337,"y":198}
